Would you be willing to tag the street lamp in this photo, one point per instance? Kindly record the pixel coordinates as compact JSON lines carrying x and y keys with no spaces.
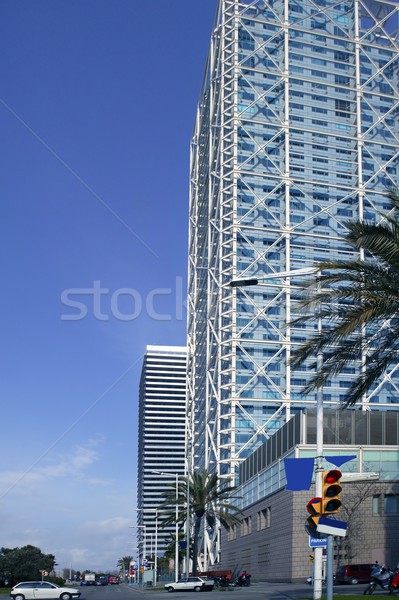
{"x":156,"y":550}
{"x":279,"y":275}
{"x":144,"y":544}
{"x":318,"y":552}
{"x":177,"y":519}
{"x":128,"y":572}
{"x":188,"y":505}
{"x":156,"y":540}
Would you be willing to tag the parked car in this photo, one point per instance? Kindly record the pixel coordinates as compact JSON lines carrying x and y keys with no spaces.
{"x":197,"y":584}
{"x":356,"y":573}
{"x":42,"y":590}
{"x":309,"y":580}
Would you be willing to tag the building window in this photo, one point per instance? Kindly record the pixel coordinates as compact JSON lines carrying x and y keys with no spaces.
{"x":376,"y":504}
{"x":264,"y":518}
{"x":246,"y":526}
{"x":232,"y":533}
{"x":391,"y":504}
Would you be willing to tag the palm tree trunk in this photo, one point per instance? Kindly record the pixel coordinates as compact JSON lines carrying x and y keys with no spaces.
{"x":197,"y":525}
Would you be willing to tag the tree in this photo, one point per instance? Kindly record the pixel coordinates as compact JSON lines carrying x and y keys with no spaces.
{"x":68,"y":573}
{"x":359,"y":300}
{"x":354,"y":498}
{"x":124,"y":563}
{"x":209,"y":504}
{"x":24,"y":564}
{"x":170,"y":550}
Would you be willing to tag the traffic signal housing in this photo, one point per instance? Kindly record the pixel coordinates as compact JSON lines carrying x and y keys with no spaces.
{"x":331,"y":492}
{"x":314,"y":509}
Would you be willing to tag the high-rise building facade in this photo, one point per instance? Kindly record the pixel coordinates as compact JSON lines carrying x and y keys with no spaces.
{"x":297,"y":131}
{"x":161,"y":440}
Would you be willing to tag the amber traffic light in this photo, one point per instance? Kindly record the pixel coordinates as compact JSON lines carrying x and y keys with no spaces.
{"x":314,"y":509}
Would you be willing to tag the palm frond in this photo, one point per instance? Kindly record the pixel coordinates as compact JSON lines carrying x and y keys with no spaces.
{"x":211,"y":500}
{"x":358,"y":303}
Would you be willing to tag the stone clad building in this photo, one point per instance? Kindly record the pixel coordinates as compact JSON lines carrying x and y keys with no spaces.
{"x":271,"y":542}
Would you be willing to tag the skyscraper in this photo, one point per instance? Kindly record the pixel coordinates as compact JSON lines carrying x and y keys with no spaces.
{"x":296,"y":131}
{"x":161,"y":440}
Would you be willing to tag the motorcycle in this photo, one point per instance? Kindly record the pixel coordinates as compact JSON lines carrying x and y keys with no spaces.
{"x":381,"y":578}
{"x":394,"y":584}
{"x":221,"y":581}
{"x":242,"y":581}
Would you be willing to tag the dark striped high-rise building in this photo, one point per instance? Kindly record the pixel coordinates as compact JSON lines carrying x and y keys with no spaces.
{"x":161,"y":439}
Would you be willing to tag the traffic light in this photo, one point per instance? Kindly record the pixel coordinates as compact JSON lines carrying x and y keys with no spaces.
{"x":331,"y":492}
{"x":314,"y":509}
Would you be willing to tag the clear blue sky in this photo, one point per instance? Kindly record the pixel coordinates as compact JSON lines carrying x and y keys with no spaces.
{"x":97,"y":106}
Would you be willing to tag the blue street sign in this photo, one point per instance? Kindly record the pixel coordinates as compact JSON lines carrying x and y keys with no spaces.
{"x":316,"y":543}
{"x":332,"y":526}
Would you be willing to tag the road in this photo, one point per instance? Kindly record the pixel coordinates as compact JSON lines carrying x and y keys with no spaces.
{"x":264,"y":590}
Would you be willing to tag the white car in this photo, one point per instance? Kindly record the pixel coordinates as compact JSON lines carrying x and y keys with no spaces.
{"x":197,"y":584}
{"x":42,"y":590}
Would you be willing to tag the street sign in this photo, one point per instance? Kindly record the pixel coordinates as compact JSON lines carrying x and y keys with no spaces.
{"x":332,"y":527}
{"x":144,"y":562}
{"x":317,"y":543}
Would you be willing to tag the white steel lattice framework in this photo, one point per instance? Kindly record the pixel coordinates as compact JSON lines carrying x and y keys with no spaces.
{"x":296,"y":131}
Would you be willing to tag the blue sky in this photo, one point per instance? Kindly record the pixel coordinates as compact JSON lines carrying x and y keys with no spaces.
{"x":97,"y":106}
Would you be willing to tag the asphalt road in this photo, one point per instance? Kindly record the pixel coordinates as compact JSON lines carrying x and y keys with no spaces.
{"x":263,"y":590}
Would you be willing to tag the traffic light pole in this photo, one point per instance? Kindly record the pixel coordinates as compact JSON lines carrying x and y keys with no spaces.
{"x":318,"y":552}
{"x":330,"y":570}
{"x":318,"y":555}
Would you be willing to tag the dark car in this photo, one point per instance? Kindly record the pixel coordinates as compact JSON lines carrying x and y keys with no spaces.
{"x":357,"y":573}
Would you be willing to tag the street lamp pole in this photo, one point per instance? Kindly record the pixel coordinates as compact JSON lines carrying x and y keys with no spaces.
{"x":144,"y":544}
{"x":177,"y":530}
{"x":166,"y":474}
{"x":155,"y":578}
{"x":188,"y":511}
{"x":156,"y":538}
{"x":318,"y":552}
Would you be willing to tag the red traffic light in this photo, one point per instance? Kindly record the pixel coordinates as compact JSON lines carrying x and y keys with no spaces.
{"x":331,"y":502}
{"x":332,"y":476}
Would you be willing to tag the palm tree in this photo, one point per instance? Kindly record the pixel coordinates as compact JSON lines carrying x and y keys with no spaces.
{"x":171,"y":547}
{"x":359,"y":300}
{"x":209,"y":503}
{"x":124,"y":563}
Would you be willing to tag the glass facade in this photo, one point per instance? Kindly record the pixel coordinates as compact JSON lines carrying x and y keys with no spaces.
{"x":296,"y":131}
